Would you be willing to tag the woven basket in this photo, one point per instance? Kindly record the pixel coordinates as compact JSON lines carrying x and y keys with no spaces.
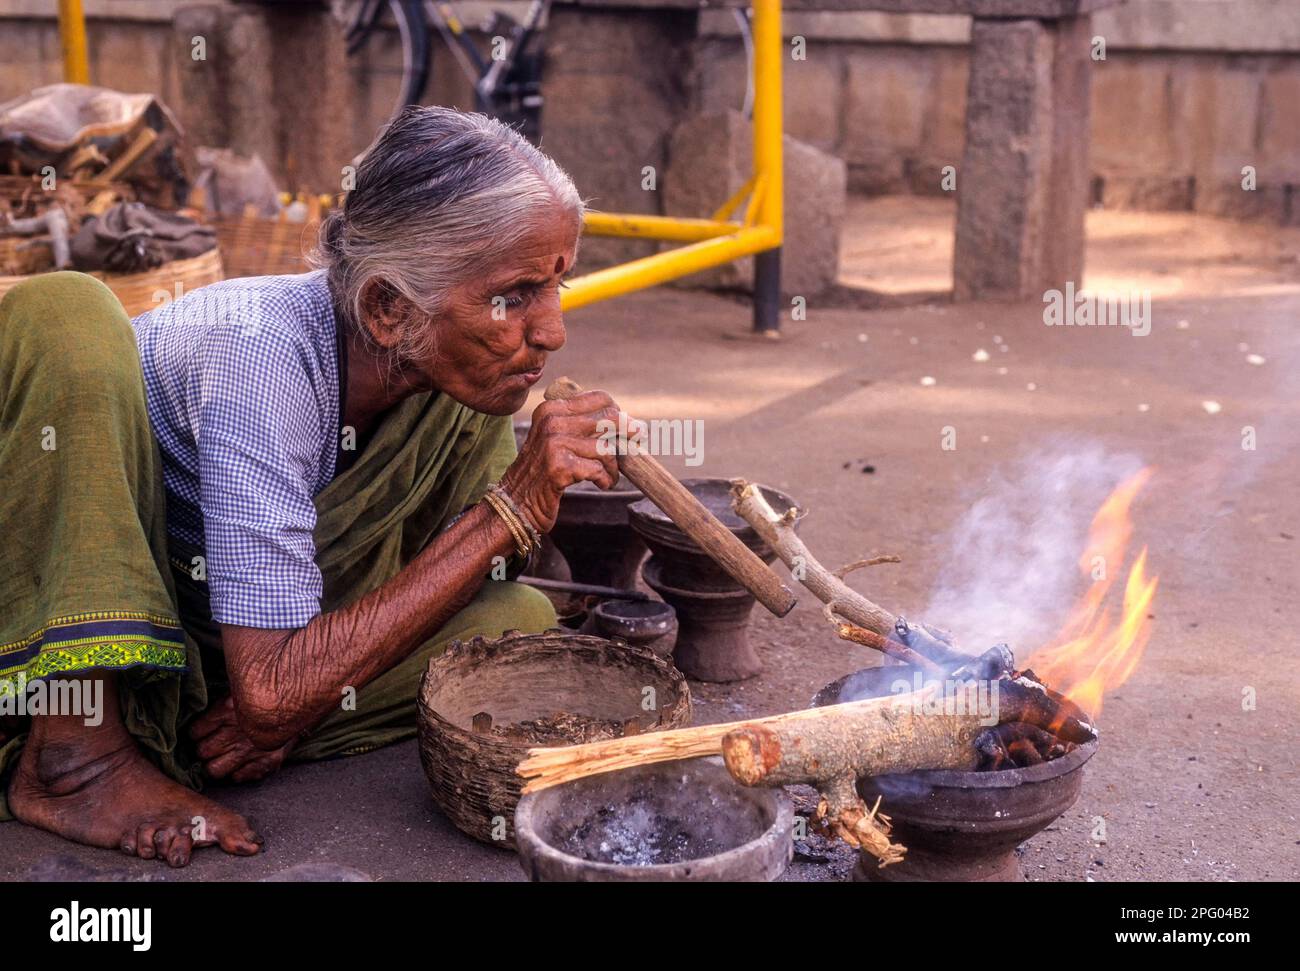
{"x":516,"y":678}
{"x":256,"y":246}
{"x":143,"y":291}
{"x":139,"y":292}
{"x":24,"y":255}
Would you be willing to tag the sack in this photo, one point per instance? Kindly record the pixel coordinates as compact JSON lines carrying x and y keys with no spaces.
{"x":131,"y":237}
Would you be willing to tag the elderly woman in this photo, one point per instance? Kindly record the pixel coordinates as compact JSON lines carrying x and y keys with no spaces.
{"x":342,"y":493}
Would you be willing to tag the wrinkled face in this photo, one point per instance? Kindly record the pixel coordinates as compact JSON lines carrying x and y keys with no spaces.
{"x":495,"y":336}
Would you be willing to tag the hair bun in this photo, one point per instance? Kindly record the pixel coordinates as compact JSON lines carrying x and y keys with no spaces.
{"x":331,"y":234}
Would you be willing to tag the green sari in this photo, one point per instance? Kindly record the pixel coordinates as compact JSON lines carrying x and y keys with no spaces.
{"x":88,"y":582}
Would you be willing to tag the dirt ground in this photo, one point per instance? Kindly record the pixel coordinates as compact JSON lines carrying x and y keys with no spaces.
{"x":1191,"y":783}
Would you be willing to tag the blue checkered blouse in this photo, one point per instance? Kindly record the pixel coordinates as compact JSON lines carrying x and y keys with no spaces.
{"x":244,"y":392}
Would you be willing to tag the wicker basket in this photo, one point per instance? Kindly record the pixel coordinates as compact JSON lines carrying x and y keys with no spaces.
{"x":143,"y":291}
{"x":24,"y":255}
{"x":256,"y":246}
{"x":139,"y":292}
{"x":516,"y":678}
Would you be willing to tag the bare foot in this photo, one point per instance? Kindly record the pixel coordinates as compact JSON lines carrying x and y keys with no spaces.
{"x":93,"y":785}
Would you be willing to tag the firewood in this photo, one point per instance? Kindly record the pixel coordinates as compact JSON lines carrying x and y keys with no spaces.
{"x":869,"y":638}
{"x":849,"y":610}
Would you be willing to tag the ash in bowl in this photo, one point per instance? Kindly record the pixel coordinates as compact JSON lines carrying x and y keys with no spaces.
{"x":635,"y":836}
{"x":641,"y":828}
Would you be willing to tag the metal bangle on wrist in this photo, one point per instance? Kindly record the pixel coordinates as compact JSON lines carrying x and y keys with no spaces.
{"x":526,"y":536}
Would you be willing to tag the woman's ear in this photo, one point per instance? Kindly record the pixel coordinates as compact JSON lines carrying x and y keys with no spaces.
{"x":385,"y":311}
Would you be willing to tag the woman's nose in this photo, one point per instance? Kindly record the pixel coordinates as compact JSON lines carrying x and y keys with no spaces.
{"x":546,"y":330}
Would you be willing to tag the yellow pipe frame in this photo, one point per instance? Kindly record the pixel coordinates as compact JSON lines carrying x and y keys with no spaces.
{"x":712,"y":242}
{"x":72,"y":34}
{"x":633,"y":226}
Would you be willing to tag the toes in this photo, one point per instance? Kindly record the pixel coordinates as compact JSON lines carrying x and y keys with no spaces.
{"x":162,"y":841}
{"x":128,"y":844}
{"x":182,"y":846}
{"x":239,"y":842}
{"x":144,"y":840}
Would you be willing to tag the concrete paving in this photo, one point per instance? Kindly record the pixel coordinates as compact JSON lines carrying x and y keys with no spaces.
{"x":1190,"y":782}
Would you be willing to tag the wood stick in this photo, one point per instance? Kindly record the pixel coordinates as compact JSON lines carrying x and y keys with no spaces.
{"x":876,"y":736}
{"x":590,"y":589}
{"x":546,"y":767}
{"x":777,"y":531}
{"x":869,"y":638}
{"x":139,"y":145}
{"x":689,"y":514}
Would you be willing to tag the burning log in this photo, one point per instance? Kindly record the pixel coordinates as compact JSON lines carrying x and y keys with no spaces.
{"x":1018,"y":745}
{"x":1029,"y":701}
{"x":1023,"y":753}
{"x":869,"y":638}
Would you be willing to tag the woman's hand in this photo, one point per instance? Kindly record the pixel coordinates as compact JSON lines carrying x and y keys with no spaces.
{"x":573,"y":440}
{"x":227,"y":752}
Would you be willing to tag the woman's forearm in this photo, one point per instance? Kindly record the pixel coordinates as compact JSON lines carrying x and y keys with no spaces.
{"x":285,"y":682}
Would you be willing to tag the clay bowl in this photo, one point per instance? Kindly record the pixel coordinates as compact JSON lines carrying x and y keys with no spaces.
{"x":683,"y":564}
{"x":592,"y":531}
{"x":520,"y":677}
{"x":959,"y":826}
{"x":691,"y":814}
{"x":644,"y":623}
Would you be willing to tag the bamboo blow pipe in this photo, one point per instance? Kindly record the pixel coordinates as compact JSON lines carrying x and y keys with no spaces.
{"x":690,"y":516}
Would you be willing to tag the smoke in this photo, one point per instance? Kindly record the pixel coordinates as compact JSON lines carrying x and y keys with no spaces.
{"x":1011,"y":573}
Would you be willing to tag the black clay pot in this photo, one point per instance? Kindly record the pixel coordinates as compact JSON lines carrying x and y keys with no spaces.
{"x":618,"y":827}
{"x":712,"y":609}
{"x":958,"y":826}
{"x":643,"y":623}
{"x":593,"y":533}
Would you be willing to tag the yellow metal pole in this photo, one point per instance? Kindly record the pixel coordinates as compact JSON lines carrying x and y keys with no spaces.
{"x":72,"y":32}
{"x":670,"y":228}
{"x":712,"y":241}
{"x":650,"y":271}
{"x":768,"y":161}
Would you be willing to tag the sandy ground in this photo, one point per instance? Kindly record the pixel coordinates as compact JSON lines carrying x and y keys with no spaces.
{"x":1191,"y":783}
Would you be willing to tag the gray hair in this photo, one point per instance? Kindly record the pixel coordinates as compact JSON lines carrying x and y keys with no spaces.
{"x":440,"y":196}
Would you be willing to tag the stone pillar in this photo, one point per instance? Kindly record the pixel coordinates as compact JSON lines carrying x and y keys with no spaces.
{"x":712,"y":156}
{"x":1023,"y":185}
{"x":273,"y":82}
{"x":615,"y":84}
{"x":225,"y":57}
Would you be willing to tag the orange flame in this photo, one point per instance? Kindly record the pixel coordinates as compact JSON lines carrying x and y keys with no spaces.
{"x":1090,"y":655}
